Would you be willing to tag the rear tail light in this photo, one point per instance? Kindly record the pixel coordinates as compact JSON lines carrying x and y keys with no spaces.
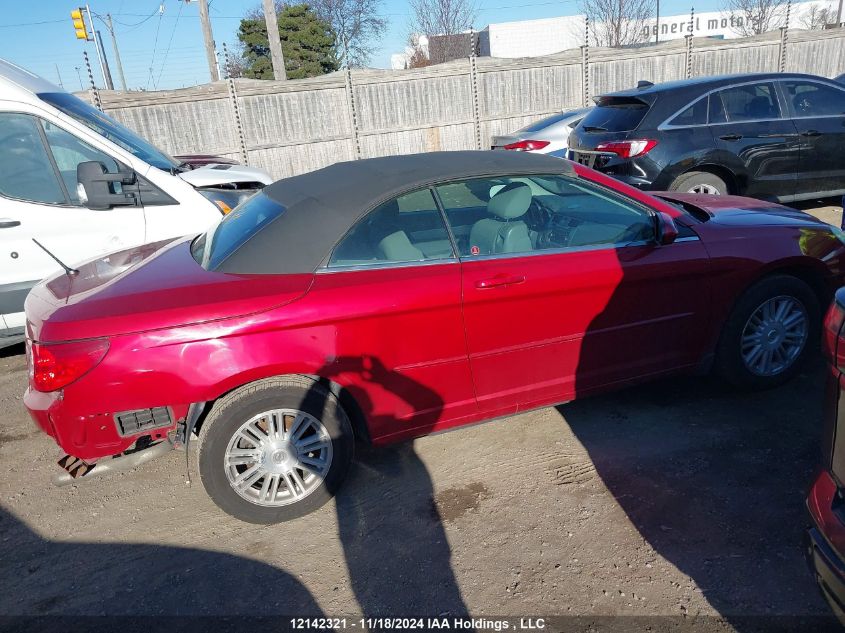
{"x":833,"y":321}
{"x":628,"y":149}
{"x":56,"y":365}
{"x":526,"y":145}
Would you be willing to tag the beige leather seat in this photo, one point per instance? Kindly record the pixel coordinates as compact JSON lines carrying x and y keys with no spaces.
{"x":396,"y":247}
{"x":504,"y":232}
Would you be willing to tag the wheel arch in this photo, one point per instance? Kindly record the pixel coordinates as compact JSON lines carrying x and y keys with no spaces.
{"x":735,"y":183}
{"x":347,"y":401}
{"x":810,"y":271}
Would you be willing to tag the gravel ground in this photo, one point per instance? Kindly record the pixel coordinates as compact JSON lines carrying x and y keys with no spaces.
{"x":677,"y":498}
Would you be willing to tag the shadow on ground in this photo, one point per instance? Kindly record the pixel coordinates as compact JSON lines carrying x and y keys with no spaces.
{"x":715,"y":483}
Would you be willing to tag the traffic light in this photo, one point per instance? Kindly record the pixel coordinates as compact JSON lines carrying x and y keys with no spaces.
{"x":79,"y":24}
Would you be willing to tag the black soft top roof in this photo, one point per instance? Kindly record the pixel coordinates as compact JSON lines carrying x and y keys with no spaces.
{"x":318,"y":208}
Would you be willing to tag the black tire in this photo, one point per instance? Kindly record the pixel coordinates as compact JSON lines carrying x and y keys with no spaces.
{"x":231,"y":411}
{"x":692,"y":180}
{"x":729,"y":361}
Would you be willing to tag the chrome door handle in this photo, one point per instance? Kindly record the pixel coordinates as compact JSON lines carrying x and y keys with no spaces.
{"x":811,"y":133}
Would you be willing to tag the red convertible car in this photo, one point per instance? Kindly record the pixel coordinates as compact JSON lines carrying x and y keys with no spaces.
{"x":388,"y":298}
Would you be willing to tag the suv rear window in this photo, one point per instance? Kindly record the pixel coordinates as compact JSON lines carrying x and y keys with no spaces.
{"x":615,"y":114}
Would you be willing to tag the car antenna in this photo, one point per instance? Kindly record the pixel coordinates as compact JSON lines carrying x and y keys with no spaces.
{"x":70,"y":272}
{"x":642,"y":83}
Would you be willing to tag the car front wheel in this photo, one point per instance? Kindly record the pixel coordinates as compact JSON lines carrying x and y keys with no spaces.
{"x":769,"y":333}
{"x":275,"y":449}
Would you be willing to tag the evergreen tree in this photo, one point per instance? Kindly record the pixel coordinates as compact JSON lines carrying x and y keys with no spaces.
{"x":308,"y":44}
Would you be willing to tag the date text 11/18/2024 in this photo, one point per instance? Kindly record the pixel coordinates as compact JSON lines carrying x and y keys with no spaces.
{"x":421,"y":624}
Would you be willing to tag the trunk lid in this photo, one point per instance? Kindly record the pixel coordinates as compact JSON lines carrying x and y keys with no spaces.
{"x":145,"y":288}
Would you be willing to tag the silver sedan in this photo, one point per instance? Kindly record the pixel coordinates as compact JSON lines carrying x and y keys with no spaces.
{"x":546,"y":136}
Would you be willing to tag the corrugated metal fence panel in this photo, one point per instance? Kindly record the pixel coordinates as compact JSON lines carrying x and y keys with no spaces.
{"x":506,"y":93}
{"x":430,"y":139}
{"x":763,"y":57}
{"x":608,"y":74}
{"x":185,"y":127}
{"x":415,"y":101}
{"x":824,"y":57}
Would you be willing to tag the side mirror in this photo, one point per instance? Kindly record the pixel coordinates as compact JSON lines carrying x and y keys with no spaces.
{"x":96,"y":186}
{"x":666,"y":231}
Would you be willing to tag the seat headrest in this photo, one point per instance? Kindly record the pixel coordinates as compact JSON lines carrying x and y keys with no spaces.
{"x":512,"y":201}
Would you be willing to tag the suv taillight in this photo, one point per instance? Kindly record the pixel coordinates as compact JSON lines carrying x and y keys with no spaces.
{"x":628,"y":149}
{"x":833,"y":321}
{"x":56,"y":365}
{"x":526,"y":145}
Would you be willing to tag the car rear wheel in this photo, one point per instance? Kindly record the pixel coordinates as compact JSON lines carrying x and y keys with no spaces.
{"x":769,"y":333}
{"x":275,"y":449}
{"x":700,"y":182}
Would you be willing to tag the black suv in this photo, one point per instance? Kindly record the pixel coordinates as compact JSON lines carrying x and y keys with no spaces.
{"x":778,"y":136}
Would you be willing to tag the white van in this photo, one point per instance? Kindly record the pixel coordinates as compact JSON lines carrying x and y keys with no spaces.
{"x":84,"y":185}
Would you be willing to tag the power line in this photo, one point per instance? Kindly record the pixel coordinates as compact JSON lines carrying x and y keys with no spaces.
{"x":137,"y":24}
{"x":167,"y":52}
{"x":10,"y":26}
{"x":155,"y":43}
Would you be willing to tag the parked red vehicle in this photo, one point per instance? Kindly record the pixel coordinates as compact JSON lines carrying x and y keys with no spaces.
{"x":388,"y":298}
{"x":826,"y":537}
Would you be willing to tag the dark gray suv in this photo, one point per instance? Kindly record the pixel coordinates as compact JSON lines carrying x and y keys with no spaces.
{"x":771,"y":135}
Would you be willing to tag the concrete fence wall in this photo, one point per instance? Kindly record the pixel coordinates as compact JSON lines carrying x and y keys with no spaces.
{"x":296,"y":126}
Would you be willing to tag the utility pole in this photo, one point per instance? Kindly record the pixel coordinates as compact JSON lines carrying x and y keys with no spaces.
{"x":101,"y":53}
{"x":116,"y":51}
{"x":839,"y":14}
{"x":275,"y":41}
{"x":657,"y":25}
{"x":208,"y":36}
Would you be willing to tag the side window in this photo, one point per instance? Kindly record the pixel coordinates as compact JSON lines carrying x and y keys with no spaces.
{"x":809,"y":99}
{"x":750,"y":102}
{"x":536,"y":213}
{"x":695,"y":114}
{"x":26,"y":172}
{"x":406,"y":229}
{"x":69,"y":151}
{"x":716,"y":110}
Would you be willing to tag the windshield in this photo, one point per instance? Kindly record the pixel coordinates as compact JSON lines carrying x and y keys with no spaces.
{"x":106,"y":126}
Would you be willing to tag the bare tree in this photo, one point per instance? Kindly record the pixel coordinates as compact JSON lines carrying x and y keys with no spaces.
{"x":753,"y":17}
{"x":618,"y":23}
{"x":358,"y":27}
{"x":818,"y":17}
{"x":446,"y":20}
{"x":357,"y":24}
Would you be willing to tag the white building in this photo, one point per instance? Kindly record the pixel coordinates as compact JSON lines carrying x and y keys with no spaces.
{"x":532,"y":38}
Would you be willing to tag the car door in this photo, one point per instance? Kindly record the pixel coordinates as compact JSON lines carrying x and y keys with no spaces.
{"x":586,"y":301}
{"x":818,"y":111}
{"x":39,"y":200}
{"x":749,"y":122}
{"x":390,"y":295}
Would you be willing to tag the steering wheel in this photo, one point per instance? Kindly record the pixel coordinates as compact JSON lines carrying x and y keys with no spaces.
{"x":537,"y":217}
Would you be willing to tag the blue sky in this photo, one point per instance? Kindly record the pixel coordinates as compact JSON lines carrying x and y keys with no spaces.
{"x":39,"y":36}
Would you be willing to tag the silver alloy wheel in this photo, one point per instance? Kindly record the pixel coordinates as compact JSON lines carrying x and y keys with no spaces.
{"x":704,"y":188}
{"x":774,"y":336}
{"x":278,"y":457}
